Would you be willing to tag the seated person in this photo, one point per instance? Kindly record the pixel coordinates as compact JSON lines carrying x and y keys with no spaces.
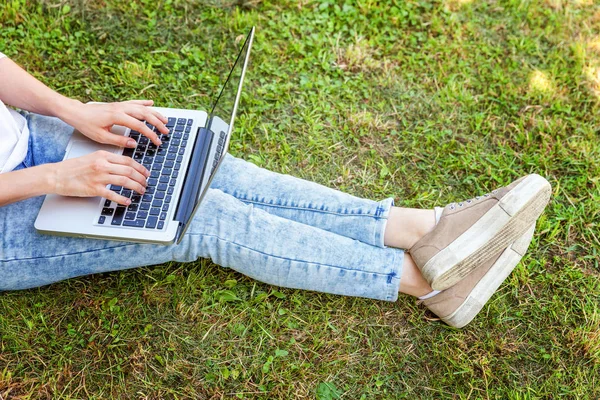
{"x":274,"y":228}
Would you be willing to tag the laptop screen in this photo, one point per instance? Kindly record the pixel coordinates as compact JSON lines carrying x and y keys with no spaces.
{"x":223,"y":111}
{"x":222,"y":115}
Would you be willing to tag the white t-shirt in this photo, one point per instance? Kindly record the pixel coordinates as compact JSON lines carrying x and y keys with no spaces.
{"x":14,"y":137}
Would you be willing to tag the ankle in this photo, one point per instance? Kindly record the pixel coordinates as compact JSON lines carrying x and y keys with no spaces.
{"x":429,"y":221}
{"x":411,"y":280}
{"x":406,"y":226}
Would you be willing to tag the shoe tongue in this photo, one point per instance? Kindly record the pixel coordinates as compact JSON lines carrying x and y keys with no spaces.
{"x":460,"y":204}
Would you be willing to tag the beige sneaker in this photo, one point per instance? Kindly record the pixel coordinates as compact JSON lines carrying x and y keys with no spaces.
{"x":458,"y":305}
{"x":470,"y":233}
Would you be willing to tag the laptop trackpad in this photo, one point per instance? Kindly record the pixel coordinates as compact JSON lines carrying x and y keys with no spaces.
{"x":84,"y":147}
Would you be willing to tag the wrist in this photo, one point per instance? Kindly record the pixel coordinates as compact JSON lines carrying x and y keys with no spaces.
{"x":66,"y":109}
{"x":47,"y":178}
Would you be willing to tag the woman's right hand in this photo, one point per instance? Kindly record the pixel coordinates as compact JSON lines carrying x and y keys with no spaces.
{"x":89,"y":175}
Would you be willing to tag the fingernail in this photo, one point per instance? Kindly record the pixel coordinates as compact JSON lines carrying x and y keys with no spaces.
{"x":131,"y":143}
{"x":128,"y":202}
{"x":160,"y":143}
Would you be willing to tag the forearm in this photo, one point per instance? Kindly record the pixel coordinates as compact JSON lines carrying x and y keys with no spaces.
{"x":26,"y":183}
{"x":19,"y":89}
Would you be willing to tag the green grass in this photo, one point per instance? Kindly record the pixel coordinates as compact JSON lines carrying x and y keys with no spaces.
{"x":426,"y":101}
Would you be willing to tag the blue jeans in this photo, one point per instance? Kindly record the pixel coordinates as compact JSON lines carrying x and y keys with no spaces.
{"x":274,"y":228}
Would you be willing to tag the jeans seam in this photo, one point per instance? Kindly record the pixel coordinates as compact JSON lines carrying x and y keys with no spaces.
{"x":376,"y":235}
{"x":311,"y":209}
{"x":393,"y":289}
{"x":291,"y":259}
{"x":69,"y":254}
{"x":194,"y":234}
{"x":381,"y":222}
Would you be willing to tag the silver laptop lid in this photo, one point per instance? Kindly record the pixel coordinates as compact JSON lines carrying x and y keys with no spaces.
{"x":224,"y":110}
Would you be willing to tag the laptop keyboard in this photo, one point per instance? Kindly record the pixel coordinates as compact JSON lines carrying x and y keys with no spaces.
{"x":149,"y":211}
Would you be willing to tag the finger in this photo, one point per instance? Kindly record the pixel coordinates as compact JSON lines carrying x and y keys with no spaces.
{"x":159,"y":115}
{"x":126,"y":182}
{"x":112,"y":196}
{"x":147,"y":104}
{"x":141,"y":102}
{"x":137,"y":125}
{"x":131,"y":173}
{"x":150,"y":116}
{"x":128,"y":161}
{"x":107,"y":137}
{"x":156,"y":119}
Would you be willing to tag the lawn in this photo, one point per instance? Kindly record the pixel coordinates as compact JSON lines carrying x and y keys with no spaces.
{"x":425,"y":101}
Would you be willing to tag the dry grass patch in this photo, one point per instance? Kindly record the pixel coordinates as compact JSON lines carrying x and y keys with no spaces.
{"x":540,"y":82}
{"x":455,"y":5}
{"x":359,"y":57}
{"x":366,"y":123}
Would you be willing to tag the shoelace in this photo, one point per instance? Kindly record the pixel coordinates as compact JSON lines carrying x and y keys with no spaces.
{"x":460,"y":204}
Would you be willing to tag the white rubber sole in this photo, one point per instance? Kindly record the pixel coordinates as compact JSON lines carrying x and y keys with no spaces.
{"x":503,"y":224}
{"x":490,"y":282}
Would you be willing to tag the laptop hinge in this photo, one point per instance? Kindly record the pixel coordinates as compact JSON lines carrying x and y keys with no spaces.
{"x":193,"y":177}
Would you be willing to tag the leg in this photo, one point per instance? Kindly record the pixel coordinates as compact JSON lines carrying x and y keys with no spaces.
{"x":49,"y":137}
{"x":233,"y":234}
{"x":353,"y":217}
{"x":375,"y":223}
{"x":411,"y":280}
{"x":406,"y":226}
{"x":303,"y":201}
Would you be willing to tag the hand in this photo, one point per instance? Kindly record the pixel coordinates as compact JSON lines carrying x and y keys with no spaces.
{"x":96,"y":120}
{"x":88,"y":176}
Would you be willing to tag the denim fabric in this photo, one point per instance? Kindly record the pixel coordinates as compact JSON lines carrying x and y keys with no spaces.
{"x":274,"y":228}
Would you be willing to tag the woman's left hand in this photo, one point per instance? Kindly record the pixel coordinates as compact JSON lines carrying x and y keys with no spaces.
{"x":95,"y":120}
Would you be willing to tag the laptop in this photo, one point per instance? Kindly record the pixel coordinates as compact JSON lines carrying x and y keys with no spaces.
{"x":182,"y":169}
